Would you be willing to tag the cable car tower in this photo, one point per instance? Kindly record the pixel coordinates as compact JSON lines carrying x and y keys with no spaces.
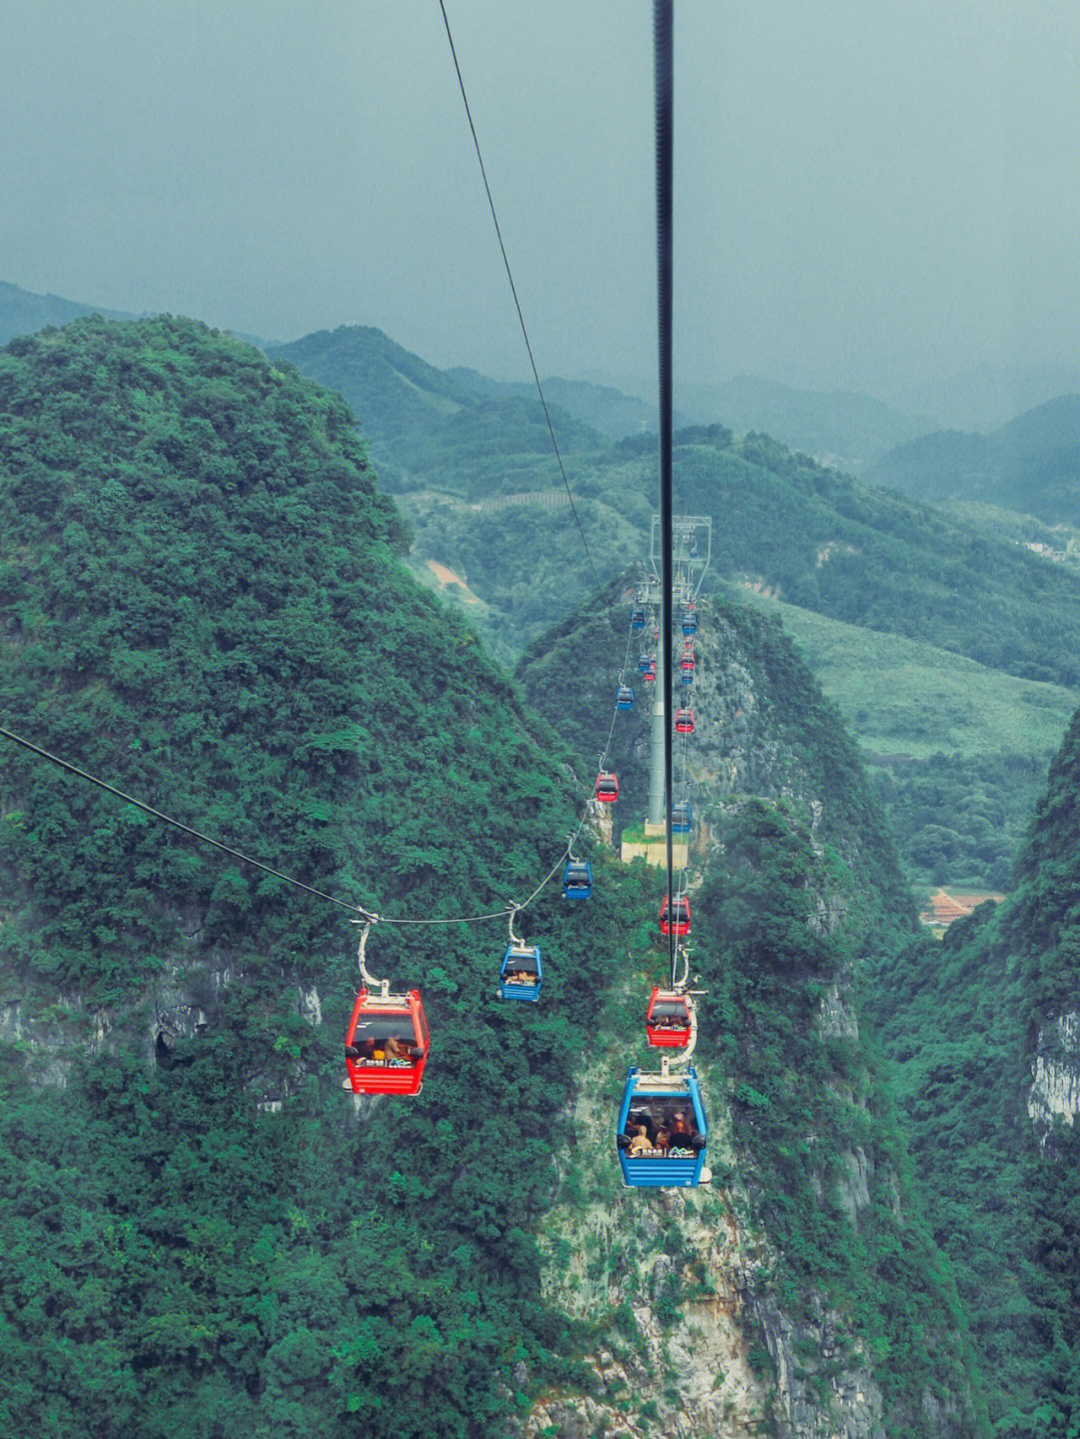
{"x":691,"y":551}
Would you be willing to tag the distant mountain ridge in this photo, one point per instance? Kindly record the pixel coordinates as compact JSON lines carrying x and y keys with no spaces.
{"x":839,"y":427}
{"x":1031,"y":464}
{"x":22,"y":312}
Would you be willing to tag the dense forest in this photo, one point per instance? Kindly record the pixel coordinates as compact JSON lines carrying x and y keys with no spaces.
{"x":203,"y":600}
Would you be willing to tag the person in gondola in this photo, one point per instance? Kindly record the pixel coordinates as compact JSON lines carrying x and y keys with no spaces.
{"x":681,"y":1132}
{"x":394,"y":1050}
{"x":663,"y":1140}
{"x":640,"y":1142}
{"x":364,"y":1052}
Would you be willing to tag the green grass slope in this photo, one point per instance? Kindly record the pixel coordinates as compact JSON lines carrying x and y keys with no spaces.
{"x":956,"y":752}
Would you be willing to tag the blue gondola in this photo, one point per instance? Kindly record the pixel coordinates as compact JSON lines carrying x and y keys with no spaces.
{"x":662,"y":1133}
{"x":687,"y":677}
{"x":637,"y":618}
{"x":682,"y":819}
{"x":522,"y":972}
{"x":577,"y":879}
{"x":644,"y":661}
{"x":624,"y":698}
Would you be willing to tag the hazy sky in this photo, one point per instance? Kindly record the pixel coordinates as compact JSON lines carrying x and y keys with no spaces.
{"x":866,"y":195}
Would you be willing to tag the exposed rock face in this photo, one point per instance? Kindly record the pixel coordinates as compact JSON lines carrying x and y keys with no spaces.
{"x":853,"y":1408}
{"x":181,"y":1003}
{"x":1055,"y":1072}
{"x":694,"y":1344}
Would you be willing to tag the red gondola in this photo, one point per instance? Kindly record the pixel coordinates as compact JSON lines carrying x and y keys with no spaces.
{"x":684,"y":721}
{"x":667,"y":1020}
{"x":681,"y":923}
{"x":687,"y":660}
{"x":650,"y":674}
{"x":607,"y":786}
{"x":387,"y":1043}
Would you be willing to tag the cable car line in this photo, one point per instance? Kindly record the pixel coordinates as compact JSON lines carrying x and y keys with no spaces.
{"x":513,"y":291}
{"x":367,"y":914}
{"x":664,"y":92}
{"x":177,"y":824}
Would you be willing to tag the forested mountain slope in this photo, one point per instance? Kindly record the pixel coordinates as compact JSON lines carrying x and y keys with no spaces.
{"x":430,"y":427}
{"x":987,"y":1031}
{"x":201,"y":601}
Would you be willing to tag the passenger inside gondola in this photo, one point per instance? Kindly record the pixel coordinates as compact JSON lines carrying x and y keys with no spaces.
{"x":668,"y":1128}
{"x":382,"y":1042}
{"x":670,"y":1014}
{"x":521,"y":975}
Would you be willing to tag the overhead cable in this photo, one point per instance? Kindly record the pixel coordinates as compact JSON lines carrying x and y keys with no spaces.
{"x":513,"y":291}
{"x":268,"y":869}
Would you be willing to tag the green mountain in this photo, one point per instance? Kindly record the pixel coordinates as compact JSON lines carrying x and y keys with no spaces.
{"x":202,"y":600}
{"x":925,"y":596}
{"x":986,"y":1030}
{"x":429,"y":428}
{"x":1031,"y":464}
{"x":602,"y":407}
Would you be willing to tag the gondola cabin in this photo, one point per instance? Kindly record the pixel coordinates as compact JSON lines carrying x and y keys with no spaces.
{"x":522,"y":972}
{"x":624,"y":697}
{"x":387,"y":1043}
{"x":662,"y":1134}
{"x":684,"y":721}
{"x":650,"y":674}
{"x":667,"y":1019}
{"x":681,"y":923}
{"x":682,"y":818}
{"x":577,"y":879}
{"x":687,"y":661}
{"x":645,"y":662}
{"x":689,"y":622}
{"x":637,"y":618}
{"x":687,"y":677}
{"x":607,"y":786}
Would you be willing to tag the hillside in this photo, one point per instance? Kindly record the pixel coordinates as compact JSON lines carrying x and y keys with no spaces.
{"x":429,"y":428}
{"x":986,"y":1029}
{"x":201,"y":600}
{"x":880,"y":575}
{"x":1030,"y":464}
{"x":957,"y":752}
{"x":839,"y":428}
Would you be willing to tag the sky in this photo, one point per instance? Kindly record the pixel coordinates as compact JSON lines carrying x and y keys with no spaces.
{"x":868,"y":197}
